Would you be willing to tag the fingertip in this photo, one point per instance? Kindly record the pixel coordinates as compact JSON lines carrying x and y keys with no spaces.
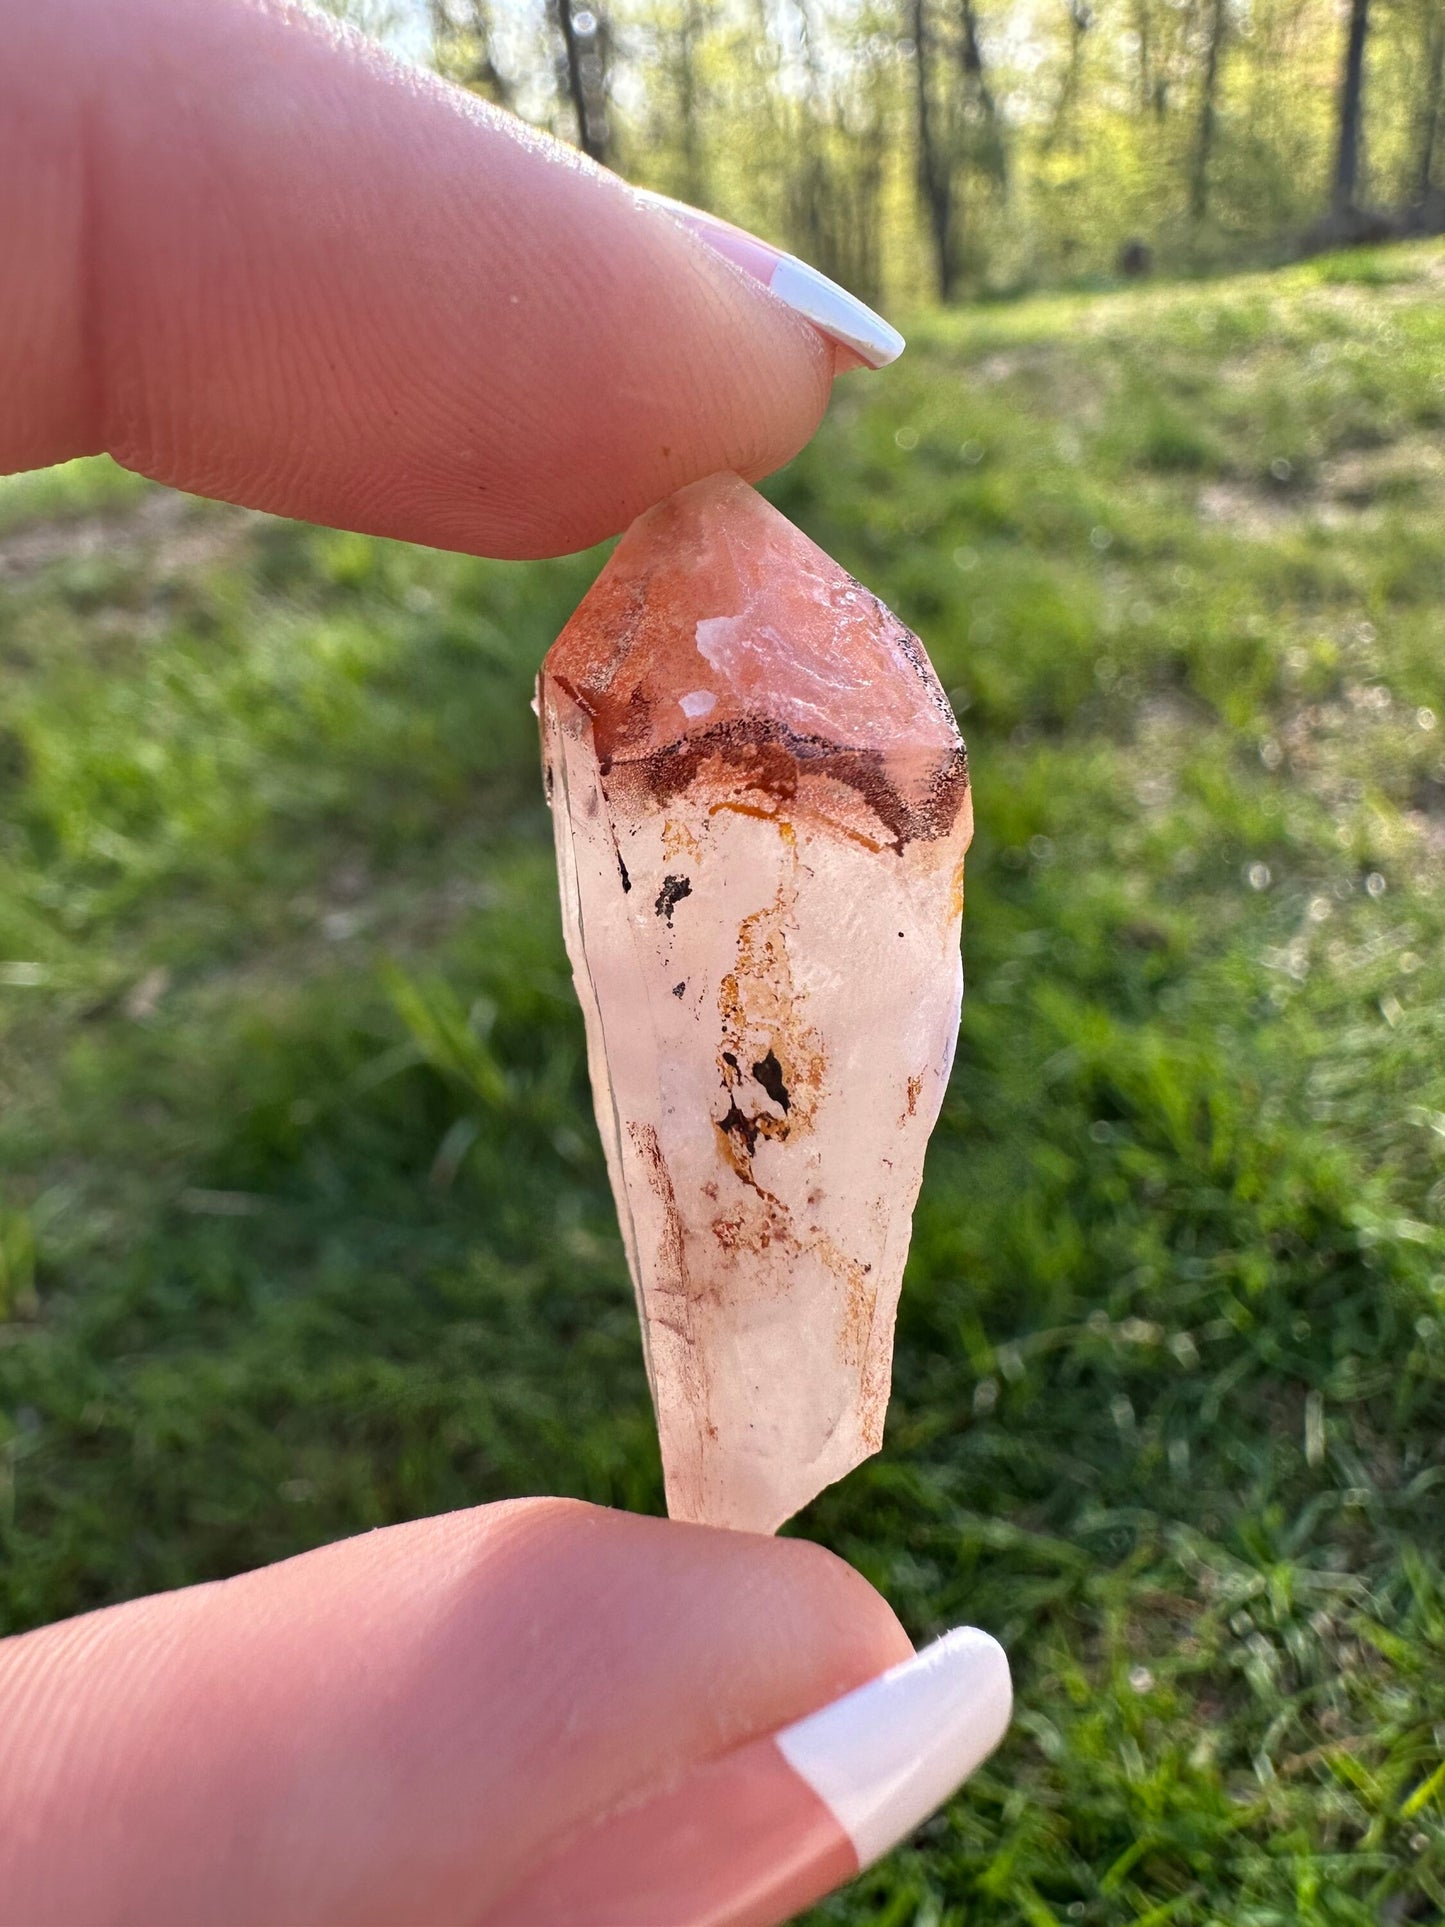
{"x":765,"y":1629}
{"x":753,"y":1630}
{"x":865,"y":1633}
{"x":688,"y":367}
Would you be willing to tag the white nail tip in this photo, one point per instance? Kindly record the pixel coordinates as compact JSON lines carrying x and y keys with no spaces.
{"x":830,"y":308}
{"x":886,"y":1756}
{"x":836,"y":312}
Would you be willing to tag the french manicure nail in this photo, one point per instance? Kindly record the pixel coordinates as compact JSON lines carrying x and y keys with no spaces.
{"x":883,"y":1758}
{"x":831,"y":309}
{"x":756,"y":1836}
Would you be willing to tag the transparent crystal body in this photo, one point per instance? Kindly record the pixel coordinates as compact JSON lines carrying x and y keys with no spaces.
{"x":761,"y":807}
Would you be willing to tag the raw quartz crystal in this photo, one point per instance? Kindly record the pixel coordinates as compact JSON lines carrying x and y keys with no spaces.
{"x":761,"y":807}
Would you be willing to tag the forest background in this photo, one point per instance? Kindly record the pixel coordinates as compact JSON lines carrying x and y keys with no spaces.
{"x":973,"y":147}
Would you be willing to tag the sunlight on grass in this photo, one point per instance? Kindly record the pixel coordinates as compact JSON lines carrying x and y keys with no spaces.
{"x":303,"y":1223}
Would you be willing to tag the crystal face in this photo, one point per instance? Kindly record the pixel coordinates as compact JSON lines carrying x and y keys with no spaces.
{"x":761,"y":807}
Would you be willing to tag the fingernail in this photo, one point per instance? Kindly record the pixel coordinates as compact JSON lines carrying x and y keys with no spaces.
{"x":761,"y":1833}
{"x":883,"y":1758}
{"x":831,"y":309}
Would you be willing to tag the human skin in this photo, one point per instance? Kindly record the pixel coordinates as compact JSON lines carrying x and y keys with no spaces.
{"x":390,"y":1732}
{"x":249,"y":255}
{"x":244,"y":254}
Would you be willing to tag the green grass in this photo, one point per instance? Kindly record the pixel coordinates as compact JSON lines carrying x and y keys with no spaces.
{"x":304,"y":1227}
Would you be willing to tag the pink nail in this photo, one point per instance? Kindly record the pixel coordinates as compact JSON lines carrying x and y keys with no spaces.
{"x":831,"y":309}
{"x":755,"y":1837}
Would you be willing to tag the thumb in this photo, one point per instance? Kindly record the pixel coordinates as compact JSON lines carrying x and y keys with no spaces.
{"x":396,"y":1730}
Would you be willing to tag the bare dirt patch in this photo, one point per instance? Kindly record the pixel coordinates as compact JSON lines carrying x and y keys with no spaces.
{"x":1352,"y":492}
{"x":170,"y":531}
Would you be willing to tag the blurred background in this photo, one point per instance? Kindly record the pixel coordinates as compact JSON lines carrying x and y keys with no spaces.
{"x":303,"y":1221}
{"x":975,"y":147}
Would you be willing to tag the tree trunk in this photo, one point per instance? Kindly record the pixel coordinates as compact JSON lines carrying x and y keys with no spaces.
{"x":1146,"y":55}
{"x":865,"y":270}
{"x":976,"y":75}
{"x":1352,"y":91}
{"x":1208,"y":114}
{"x":811,"y":189}
{"x":462,"y":49}
{"x":1430,"y":112}
{"x":935,"y":175}
{"x":1081,"y":19}
{"x":694,"y":170}
{"x":582,"y":59}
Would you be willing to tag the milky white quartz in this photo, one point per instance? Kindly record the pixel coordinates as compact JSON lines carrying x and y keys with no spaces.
{"x":761,"y":808}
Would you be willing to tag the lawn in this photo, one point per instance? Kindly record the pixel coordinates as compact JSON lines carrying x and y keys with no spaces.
{"x":303,"y":1221}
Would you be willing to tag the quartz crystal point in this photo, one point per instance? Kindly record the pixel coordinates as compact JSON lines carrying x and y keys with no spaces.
{"x":761,"y":805}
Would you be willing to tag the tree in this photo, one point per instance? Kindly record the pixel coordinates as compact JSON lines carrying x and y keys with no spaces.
{"x":1062,"y":121}
{"x":836,"y":113}
{"x":977,"y":85}
{"x":686,"y":65}
{"x":463,"y":49}
{"x":1207,"y":125}
{"x":1147,"y":97}
{"x":1061,"y":146}
{"x":584,"y":42}
{"x":935,"y":171}
{"x":675,"y":54}
{"x":1351,"y":110}
{"x":1432,"y":106}
{"x":958,"y":126}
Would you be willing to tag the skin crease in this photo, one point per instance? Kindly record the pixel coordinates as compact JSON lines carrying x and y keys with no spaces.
{"x":247,"y":255}
{"x":389,"y":1732}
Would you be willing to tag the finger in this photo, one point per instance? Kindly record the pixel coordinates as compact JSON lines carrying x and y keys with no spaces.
{"x":249,"y":255}
{"x":396,"y":1729}
{"x":752,"y":1838}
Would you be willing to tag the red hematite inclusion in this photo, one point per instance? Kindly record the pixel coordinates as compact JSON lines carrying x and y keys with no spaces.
{"x":718,"y":624}
{"x":761,"y":805}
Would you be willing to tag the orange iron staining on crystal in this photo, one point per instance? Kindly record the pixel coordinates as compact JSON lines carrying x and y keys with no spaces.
{"x":761,"y":806}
